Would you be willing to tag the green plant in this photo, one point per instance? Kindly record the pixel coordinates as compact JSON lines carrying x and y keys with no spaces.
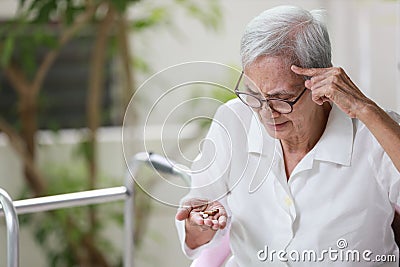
{"x":47,"y":26}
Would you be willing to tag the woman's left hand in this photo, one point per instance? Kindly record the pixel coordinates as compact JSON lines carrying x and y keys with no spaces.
{"x":333,"y":84}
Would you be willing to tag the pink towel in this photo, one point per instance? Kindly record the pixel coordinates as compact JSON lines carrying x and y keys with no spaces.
{"x":215,"y":256}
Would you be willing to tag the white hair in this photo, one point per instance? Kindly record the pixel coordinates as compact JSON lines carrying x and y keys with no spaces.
{"x":288,"y":31}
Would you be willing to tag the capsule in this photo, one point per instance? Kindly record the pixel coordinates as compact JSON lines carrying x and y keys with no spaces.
{"x":211,"y":212}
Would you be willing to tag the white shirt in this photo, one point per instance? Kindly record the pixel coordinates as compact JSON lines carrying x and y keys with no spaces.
{"x":340,"y":196}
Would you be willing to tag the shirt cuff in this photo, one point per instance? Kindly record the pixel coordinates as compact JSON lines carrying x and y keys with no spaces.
{"x":194,"y":253}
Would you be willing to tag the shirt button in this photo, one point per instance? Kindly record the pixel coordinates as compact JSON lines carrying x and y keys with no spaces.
{"x":288,"y":201}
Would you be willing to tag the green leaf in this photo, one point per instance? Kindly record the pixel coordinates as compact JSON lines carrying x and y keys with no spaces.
{"x":49,"y":41}
{"x":69,"y":13}
{"x":25,"y":219}
{"x":85,"y":149}
{"x":45,"y":12}
{"x":7,"y":50}
{"x":27,"y":55}
{"x":54,"y":259}
{"x":34,"y":4}
{"x":120,"y":5}
{"x":41,"y":235}
{"x":141,"y":65}
{"x":156,"y":17}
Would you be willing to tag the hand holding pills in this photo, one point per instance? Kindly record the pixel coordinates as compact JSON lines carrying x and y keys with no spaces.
{"x":203,"y":213}
{"x":202,"y":219}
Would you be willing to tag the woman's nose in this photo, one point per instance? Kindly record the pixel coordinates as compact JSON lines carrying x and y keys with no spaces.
{"x":270,"y":112}
{"x":267,"y":112}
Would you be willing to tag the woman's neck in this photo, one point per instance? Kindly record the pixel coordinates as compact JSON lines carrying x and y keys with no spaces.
{"x":299,"y":144}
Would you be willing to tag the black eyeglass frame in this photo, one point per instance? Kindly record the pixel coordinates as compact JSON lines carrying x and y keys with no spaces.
{"x":290,"y":103}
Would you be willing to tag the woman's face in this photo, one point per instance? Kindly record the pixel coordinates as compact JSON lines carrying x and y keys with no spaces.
{"x":274,"y":79}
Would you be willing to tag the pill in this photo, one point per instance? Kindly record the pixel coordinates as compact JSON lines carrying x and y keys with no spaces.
{"x":211,"y":212}
{"x":205,"y":216}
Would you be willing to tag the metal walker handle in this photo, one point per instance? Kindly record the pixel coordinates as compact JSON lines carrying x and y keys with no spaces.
{"x":12,"y":229}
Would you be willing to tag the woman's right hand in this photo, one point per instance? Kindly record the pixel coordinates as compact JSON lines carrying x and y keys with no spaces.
{"x":201,"y":229}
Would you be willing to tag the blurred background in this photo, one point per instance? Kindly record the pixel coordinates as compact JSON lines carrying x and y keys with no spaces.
{"x":68,"y":69}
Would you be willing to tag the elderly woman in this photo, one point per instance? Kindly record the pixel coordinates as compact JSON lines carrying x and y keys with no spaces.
{"x":302,"y":168}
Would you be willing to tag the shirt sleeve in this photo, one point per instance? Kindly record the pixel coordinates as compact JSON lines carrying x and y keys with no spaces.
{"x":210,"y":173}
{"x":386,"y":171}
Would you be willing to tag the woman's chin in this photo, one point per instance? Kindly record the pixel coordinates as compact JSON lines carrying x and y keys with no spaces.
{"x":277,"y":131}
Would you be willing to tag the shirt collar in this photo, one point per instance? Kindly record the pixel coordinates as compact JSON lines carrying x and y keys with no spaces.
{"x":335,"y":144}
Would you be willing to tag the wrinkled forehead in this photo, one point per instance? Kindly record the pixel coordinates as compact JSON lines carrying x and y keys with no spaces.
{"x":272,"y":76}
{"x":281,"y":61}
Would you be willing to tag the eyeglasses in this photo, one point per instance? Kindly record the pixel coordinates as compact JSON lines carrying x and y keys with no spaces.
{"x":279,"y":105}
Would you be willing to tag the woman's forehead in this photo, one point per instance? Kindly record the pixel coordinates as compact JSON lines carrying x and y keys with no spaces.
{"x":268,"y":67}
{"x":274,"y":84}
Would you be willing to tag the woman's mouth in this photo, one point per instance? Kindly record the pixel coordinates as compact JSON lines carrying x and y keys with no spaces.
{"x":277,"y":126}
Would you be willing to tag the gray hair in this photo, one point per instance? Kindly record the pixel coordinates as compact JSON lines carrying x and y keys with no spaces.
{"x":288,"y":31}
